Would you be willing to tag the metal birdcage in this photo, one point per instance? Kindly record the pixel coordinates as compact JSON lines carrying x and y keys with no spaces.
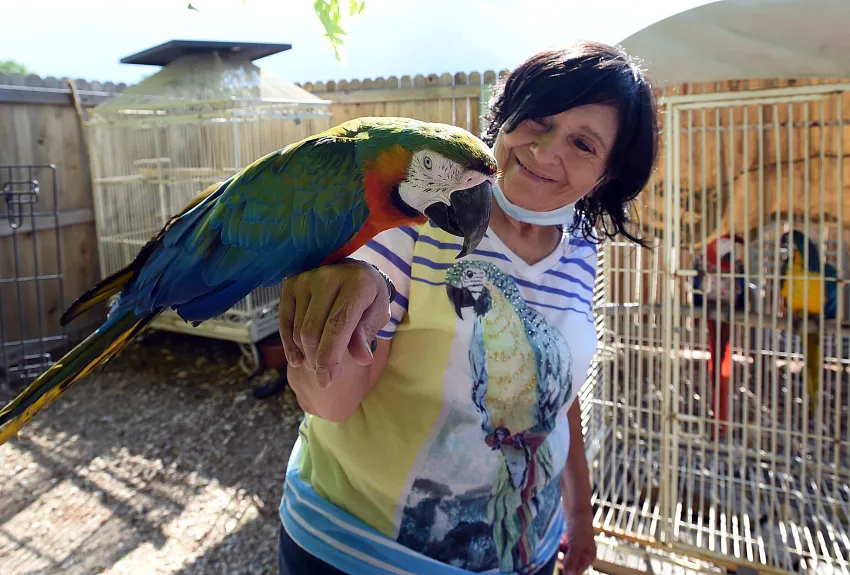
{"x":206,"y":114}
{"x":718,"y":417}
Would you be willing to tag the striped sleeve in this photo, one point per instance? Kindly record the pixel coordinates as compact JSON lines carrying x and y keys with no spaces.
{"x":392,"y":252}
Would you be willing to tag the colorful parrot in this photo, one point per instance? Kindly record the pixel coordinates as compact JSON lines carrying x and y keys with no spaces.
{"x":819,"y":297}
{"x":311,"y":203}
{"x":723,"y":256}
{"x":521,"y":375}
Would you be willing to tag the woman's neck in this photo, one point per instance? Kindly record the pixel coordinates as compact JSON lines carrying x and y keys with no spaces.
{"x":530,"y":242}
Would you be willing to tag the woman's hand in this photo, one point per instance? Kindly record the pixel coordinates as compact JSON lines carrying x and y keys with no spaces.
{"x":329,"y":311}
{"x":581,"y":543}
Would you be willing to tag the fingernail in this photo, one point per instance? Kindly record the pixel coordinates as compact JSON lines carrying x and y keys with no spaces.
{"x":296,"y":359}
{"x":323,"y":378}
{"x":374,"y":345}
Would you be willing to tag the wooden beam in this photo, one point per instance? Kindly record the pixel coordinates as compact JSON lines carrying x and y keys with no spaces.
{"x":51,"y":96}
{"x":615,"y":569}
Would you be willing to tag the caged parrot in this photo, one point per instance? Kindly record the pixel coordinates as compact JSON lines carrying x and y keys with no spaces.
{"x":819,"y":297}
{"x":309,"y":204}
{"x":723,"y":256}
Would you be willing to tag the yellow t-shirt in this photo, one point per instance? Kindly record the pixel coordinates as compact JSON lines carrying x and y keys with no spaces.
{"x":451,"y":464}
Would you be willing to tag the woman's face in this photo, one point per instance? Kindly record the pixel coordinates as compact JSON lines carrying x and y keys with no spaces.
{"x":550,"y":162}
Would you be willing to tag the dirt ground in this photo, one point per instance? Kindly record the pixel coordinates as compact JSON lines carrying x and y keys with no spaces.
{"x":163,"y":462}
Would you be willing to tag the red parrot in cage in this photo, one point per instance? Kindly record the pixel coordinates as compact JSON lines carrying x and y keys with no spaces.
{"x":723,"y":256}
{"x":311,"y":203}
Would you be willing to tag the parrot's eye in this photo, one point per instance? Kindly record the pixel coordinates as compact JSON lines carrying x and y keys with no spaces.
{"x":469,"y":274}
{"x":427,"y":162}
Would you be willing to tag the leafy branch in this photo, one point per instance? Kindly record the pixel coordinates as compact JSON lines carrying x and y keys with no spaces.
{"x":12,"y":67}
{"x":331,"y":16}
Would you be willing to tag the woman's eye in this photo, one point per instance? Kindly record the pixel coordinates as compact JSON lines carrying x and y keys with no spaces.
{"x":538,"y":123}
{"x":583,"y":146}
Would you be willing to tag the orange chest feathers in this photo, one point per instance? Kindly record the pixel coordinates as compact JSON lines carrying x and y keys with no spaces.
{"x":380,"y":177}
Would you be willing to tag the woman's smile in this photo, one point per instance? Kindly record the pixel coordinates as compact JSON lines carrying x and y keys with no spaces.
{"x":530,"y":173}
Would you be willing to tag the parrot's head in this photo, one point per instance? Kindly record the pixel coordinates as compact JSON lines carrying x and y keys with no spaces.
{"x":801,"y":244}
{"x":723,"y":251}
{"x":447,"y":177}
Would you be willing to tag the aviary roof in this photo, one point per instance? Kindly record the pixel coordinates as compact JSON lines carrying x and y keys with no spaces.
{"x":168,"y":52}
{"x":204,"y":83}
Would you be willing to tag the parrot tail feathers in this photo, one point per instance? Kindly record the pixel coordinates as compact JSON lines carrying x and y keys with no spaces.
{"x":102,"y":291}
{"x":97,"y":349}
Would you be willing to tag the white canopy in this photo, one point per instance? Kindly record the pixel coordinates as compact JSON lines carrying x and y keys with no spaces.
{"x":738,"y":39}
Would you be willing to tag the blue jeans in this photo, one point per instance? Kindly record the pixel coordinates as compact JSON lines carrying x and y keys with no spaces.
{"x":293,"y":560}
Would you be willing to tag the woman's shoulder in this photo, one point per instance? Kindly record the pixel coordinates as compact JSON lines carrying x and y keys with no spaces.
{"x":579,"y":242}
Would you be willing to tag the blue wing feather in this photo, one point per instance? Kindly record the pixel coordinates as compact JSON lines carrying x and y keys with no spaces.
{"x":268,"y":222}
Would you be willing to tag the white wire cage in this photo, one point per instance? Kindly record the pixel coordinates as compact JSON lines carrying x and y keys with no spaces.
{"x":718,"y":427}
{"x":206,"y":114}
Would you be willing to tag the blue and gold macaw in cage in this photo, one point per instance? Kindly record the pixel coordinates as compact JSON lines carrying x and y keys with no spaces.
{"x":723,"y":255}
{"x":819,"y":296}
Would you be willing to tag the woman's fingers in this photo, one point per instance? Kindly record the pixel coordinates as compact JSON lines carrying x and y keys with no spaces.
{"x":376,"y":316}
{"x":349,"y":307}
{"x":303,"y":293}
{"x":314,"y":320}
{"x":286,"y":315}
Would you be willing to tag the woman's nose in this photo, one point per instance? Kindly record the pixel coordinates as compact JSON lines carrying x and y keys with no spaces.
{"x":545,"y":150}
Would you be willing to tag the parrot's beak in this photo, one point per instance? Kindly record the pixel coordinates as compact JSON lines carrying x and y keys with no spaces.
{"x":467,"y":217}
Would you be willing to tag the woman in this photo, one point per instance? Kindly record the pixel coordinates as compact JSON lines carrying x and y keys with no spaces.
{"x":453,"y":445}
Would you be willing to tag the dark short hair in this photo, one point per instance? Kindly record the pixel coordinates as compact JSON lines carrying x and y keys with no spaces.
{"x":585,"y":73}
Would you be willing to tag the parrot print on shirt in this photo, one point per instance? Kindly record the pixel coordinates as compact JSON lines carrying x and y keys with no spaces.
{"x":521,"y":379}
{"x":520,"y":367}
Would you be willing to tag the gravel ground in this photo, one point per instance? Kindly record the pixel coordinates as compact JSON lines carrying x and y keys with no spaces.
{"x":162,"y":462}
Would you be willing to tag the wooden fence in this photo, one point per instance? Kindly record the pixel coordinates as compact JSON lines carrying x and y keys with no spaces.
{"x":40,"y":124}
{"x":450,"y":99}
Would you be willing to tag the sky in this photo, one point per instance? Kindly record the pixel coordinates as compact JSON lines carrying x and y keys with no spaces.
{"x":85,"y":39}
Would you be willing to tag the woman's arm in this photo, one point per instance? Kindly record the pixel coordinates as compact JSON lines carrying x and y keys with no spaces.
{"x":575,"y":479}
{"x":576,"y":494}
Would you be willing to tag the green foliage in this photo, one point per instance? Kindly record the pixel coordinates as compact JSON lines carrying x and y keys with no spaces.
{"x":12,"y":67}
{"x":330,"y":15}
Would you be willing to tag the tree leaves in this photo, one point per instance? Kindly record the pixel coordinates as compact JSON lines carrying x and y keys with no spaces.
{"x":331,"y":16}
{"x":12,"y":67}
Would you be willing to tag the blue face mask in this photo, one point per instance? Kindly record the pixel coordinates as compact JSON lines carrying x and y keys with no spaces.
{"x":561,"y":217}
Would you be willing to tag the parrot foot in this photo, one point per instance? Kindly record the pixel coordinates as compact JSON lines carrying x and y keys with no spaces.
{"x":250,"y":361}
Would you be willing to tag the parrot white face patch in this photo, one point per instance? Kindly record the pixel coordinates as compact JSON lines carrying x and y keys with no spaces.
{"x":432,"y":177}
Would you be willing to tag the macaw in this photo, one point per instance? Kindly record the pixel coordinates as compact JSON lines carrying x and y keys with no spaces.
{"x":720,"y":258}
{"x":820,"y":297}
{"x":309,"y":204}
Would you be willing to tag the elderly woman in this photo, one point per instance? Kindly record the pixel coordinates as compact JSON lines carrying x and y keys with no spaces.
{"x":443,"y":431}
